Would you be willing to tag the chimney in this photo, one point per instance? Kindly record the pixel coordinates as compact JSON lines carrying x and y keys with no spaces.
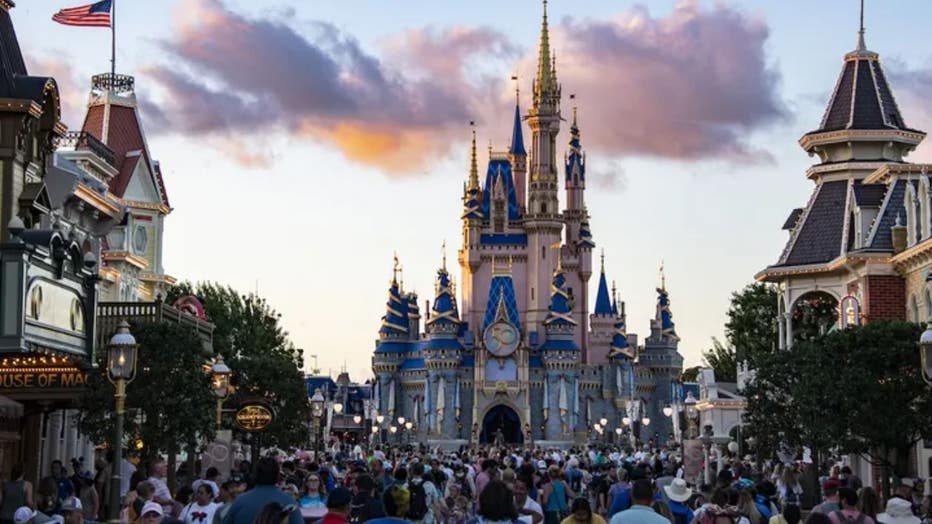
{"x":898,"y":234}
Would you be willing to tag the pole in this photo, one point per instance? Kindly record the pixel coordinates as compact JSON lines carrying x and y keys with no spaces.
{"x":116,"y":476}
{"x":219,"y":413}
{"x":112,"y":42}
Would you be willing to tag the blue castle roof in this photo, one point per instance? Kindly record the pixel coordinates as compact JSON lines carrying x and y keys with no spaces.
{"x":560,"y":303}
{"x":517,"y":135}
{"x":444,"y":311}
{"x":585,"y":235}
{"x":620,"y":346}
{"x":395,"y":321}
{"x":603,"y":305}
{"x":471,"y":206}
{"x":499,"y":172}
{"x":559,"y":345}
{"x":575,"y":160}
{"x":667,"y":327}
{"x":501,"y":302}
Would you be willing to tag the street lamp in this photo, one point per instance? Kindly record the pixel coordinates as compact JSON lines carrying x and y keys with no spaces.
{"x":401,"y":421}
{"x":692,"y":414}
{"x":626,"y":421}
{"x":603,"y":422}
{"x":645,"y":421}
{"x":668,"y":411}
{"x":317,"y":411}
{"x":408,"y":426}
{"x":121,"y":370}
{"x":925,"y":354}
{"x":338,"y":408}
{"x":220,"y":376}
{"x":357,"y":419}
{"x":380,"y":419}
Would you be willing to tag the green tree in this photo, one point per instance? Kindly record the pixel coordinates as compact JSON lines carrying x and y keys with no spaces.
{"x":723,"y":359}
{"x":690,"y":374}
{"x":265,"y":364}
{"x":859,"y":391}
{"x":170,"y":404}
{"x":751,"y":326}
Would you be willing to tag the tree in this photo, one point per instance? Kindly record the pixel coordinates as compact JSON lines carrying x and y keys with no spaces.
{"x":690,"y":374}
{"x":170,"y":403}
{"x":723,"y":359}
{"x":751,"y":325}
{"x":859,"y":390}
{"x":265,"y":364}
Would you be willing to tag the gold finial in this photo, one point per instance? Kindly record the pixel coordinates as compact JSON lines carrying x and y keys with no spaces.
{"x":490,"y":149}
{"x":473,"y":164}
{"x":514,"y":78}
{"x":443,"y":252}
{"x":663,"y":277}
{"x":603,"y":260}
{"x":573,"y":98}
{"x":395,"y":268}
{"x":614,"y":293}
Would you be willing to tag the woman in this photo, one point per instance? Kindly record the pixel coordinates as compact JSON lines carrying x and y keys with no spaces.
{"x":16,"y":493}
{"x":496,"y":505}
{"x":200,"y":510}
{"x":788,"y":487}
{"x":313,"y":501}
{"x":791,"y":515}
{"x":554,"y":497}
{"x":581,"y":513}
{"x":747,"y":508}
{"x":869,"y":502}
{"x":87,"y":493}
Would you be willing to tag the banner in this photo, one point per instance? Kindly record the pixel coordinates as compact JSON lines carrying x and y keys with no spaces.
{"x":219,"y":454}
{"x":692,"y":461}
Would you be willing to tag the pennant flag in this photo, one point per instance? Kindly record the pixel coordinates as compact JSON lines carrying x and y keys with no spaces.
{"x":92,"y":15}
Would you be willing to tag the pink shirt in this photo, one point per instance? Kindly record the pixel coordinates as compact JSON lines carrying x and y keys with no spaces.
{"x":481,"y":480}
{"x":852,"y":517}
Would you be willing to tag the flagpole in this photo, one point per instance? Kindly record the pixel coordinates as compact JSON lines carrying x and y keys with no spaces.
{"x":112,"y":43}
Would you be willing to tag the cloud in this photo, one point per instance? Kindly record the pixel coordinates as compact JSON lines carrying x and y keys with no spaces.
{"x":71,"y":88}
{"x":689,"y":85}
{"x":912,"y":88}
{"x":610,"y":176}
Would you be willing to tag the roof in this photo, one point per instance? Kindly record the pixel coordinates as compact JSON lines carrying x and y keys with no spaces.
{"x":395,"y":320}
{"x":560,"y":305}
{"x":412,"y":364}
{"x":15,"y":81}
{"x":585,"y":235}
{"x":517,"y":135}
{"x":603,"y":304}
{"x":437,"y":343}
{"x":325,"y":384}
{"x":880,"y":237}
{"x":502,"y":302}
{"x":819,"y":237}
{"x":667,"y":327}
{"x":862,"y":98}
{"x":503,"y":239}
{"x":559,"y":345}
{"x":392,"y":346}
{"x":499,"y":172}
{"x":444,"y":308}
{"x":791,"y":220}
{"x":869,"y":195}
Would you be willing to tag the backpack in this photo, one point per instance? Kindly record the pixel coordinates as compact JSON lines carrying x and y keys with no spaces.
{"x":359,"y":512}
{"x":841,"y":517}
{"x":417,"y":508}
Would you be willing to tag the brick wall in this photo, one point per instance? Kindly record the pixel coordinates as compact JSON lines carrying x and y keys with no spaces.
{"x":884,"y":298}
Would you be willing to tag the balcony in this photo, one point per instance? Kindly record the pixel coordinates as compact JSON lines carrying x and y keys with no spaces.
{"x":113,"y":83}
{"x":110,"y":314}
{"x":84,"y":141}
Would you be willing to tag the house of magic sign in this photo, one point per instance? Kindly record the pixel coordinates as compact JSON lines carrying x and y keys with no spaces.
{"x":41,"y":378}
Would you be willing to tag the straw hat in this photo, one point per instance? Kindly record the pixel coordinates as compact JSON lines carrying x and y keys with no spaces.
{"x":678,"y":491}
{"x":899,"y":511}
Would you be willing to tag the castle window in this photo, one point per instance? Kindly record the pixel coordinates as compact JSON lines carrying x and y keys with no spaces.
{"x":532,"y":293}
{"x":543,"y":208}
{"x":543,"y":252}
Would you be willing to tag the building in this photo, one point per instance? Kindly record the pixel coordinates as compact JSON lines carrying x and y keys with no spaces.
{"x":348,"y":409}
{"x":860,"y":249}
{"x":521,"y":352}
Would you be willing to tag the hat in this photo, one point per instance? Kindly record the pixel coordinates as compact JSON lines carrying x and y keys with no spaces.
{"x":677,"y":491}
{"x":149,"y":507}
{"x":238,"y":478}
{"x":71,"y":504}
{"x":831,"y":484}
{"x":541,"y":464}
{"x":23,"y":515}
{"x":899,"y":511}
{"x":339,"y":498}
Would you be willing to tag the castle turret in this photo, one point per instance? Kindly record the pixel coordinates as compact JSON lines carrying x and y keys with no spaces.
{"x":600,"y":322}
{"x":543,"y":222}
{"x":561,"y":357}
{"x":518,"y":157}
{"x":442,"y":354}
{"x":575,"y":175}
{"x":469,"y":256}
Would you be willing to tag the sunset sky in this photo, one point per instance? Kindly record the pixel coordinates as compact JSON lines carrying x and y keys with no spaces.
{"x":302,"y":143}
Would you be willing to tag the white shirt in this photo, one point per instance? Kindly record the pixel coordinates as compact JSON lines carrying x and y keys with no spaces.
{"x":126,"y":472}
{"x":533,"y":506}
{"x":197,"y":514}
{"x":160,"y":491}
{"x":213,"y":486}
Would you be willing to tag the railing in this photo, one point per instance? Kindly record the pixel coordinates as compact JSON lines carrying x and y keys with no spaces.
{"x":82,"y":140}
{"x":110,"y":314}
{"x":113,"y":83}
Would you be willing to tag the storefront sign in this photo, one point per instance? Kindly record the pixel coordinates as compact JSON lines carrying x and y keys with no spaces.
{"x":253,"y":417}
{"x":12,"y":378}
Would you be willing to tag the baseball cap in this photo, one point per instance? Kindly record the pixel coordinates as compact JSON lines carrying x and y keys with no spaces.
{"x":23,"y":515}
{"x":238,"y":478}
{"x":71,"y":504}
{"x":339,"y":498}
{"x":150,"y":507}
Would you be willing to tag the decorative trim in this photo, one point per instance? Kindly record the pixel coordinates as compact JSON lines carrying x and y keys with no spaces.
{"x":811,"y":140}
{"x":125,"y":256}
{"x":96,"y":200}
{"x":821,"y":169}
{"x":884,"y":172}
{"x":157,"y":277}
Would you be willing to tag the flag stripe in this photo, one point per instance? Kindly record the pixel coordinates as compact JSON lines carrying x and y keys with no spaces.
{"x":92,"y":15}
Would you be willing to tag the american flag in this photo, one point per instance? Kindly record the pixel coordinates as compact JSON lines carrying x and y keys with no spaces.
{"x":92,"y":15}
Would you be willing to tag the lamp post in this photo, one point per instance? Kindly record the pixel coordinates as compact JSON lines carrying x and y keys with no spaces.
{"x":706,"y":440}
{"x":121,"y":370}
{"x":220,"y":374}
{"x":692,"y":414}
{"x":925,"y":354}
{"x":408,"y":426}
{"x":317,"y":411}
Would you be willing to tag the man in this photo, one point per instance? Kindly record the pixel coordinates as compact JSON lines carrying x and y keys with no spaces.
{"x":65,"y":487}
{"x":849,"y":511}
{"x":488,"y":473}
{"x":424,"y":497}
{"x":529,"y":512}
{"x":229,"y":490}
{"x":642,"y":494}
{"x":248,"y":505}
{"x":677,"y":494}
{"x":849,"y":479}
{"x":365,"y":505}
{"x":72,"y":512}
{"x":158,"y":472}
{"x":338,"y":507}
{"x":830,"y":504}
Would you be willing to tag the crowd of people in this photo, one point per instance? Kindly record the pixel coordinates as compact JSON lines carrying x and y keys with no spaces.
{"x":478,"y":485}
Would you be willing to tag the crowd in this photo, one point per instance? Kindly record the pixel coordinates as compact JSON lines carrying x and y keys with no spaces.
{"x":485,"y":485}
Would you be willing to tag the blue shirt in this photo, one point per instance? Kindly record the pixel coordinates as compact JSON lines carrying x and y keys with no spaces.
{"x":678,"y":508}
{"x":248,"y":505}
{"x":639,"y":515}
{"x":620,"y":502}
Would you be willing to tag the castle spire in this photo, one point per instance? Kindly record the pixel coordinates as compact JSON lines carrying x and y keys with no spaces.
{"x":603,"y":304}
{"x":517,"y":135}
{"x":862,"y":47}
{"x":544,"y":61}
{"x":473,"y":163}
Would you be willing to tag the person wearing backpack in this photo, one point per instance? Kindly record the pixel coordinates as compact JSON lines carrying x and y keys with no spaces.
{"x":554,"y":497}
{"x":848,"y":514}
{"x":364,"y":505}
{"x":423,"y":497}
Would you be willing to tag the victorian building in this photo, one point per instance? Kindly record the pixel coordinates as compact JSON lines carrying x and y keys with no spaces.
{"x":860,"y":250}
{"x":514,"y":347}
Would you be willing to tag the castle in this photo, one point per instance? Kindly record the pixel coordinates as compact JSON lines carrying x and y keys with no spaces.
{"x":521,"y":356}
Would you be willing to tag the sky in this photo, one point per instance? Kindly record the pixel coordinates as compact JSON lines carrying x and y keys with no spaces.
{"x":303,"y":143}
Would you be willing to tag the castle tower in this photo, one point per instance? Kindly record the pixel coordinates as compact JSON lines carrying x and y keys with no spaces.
{"x":543,"y":222}
{"x":518,"y":157}
{"x":575,"y":172}
{"x":469,"y":256}
{"x":442,"y":353}
{"x":601,"y":321}
{"x":561,"y":358}
{"x":663,"y":364}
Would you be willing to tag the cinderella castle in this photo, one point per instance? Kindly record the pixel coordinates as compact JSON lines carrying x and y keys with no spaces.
{"x":521,"y":357}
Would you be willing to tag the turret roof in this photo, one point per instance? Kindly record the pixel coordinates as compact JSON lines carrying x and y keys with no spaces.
{"x":517,"y":136}
{"x":603,"y":304}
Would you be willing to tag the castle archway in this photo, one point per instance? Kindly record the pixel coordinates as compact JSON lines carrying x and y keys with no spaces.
{"x":504,"y":419}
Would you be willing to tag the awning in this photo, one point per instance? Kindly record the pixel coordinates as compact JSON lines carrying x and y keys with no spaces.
{"x":10,"y":408}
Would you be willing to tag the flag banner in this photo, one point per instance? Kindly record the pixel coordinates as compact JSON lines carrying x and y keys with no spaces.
{"x":92,"y":15}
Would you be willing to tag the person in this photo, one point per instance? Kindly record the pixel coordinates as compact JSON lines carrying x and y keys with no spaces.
{"x":229,"y":490}
{"x":868,"y":501}
{"x":275,"y":513}
{"x":200,"y":510}
{"x":818,"y":518}
{"x":424,"y":497}
{"x":71,"y":511}
{"x":210,"y":478}
{"x":849,"y":479}
{"x":529,"y":511}
{"x":830,"y":503}
{"x":849,"y":509}
{"x":87,"y":492}
{"x":488,"y":471}
{"x":338,"y":506}
{"x":788,"y":487}
{"x":63,"y":486}
{"x":27,"y":515}
{"x":677,"y":493}
{"x":16,"y":493}
{"x":791,"y":515}
{"x":898,"y":511}
{"x":160,"y":494}
{"x":313,"y":501}
{"x":661,"y":508}
{"x":365,"y":506}
{"x":247,"y":506}
{"x":554,"y":496}
{"x":748,"y":508}
{"x":496,"y":505}
{"x":151,"y":513}
{"x":395,"y":504}
{"x":640,"y":512}
{"x":143,"y":494}
{"x":581,"y":513}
